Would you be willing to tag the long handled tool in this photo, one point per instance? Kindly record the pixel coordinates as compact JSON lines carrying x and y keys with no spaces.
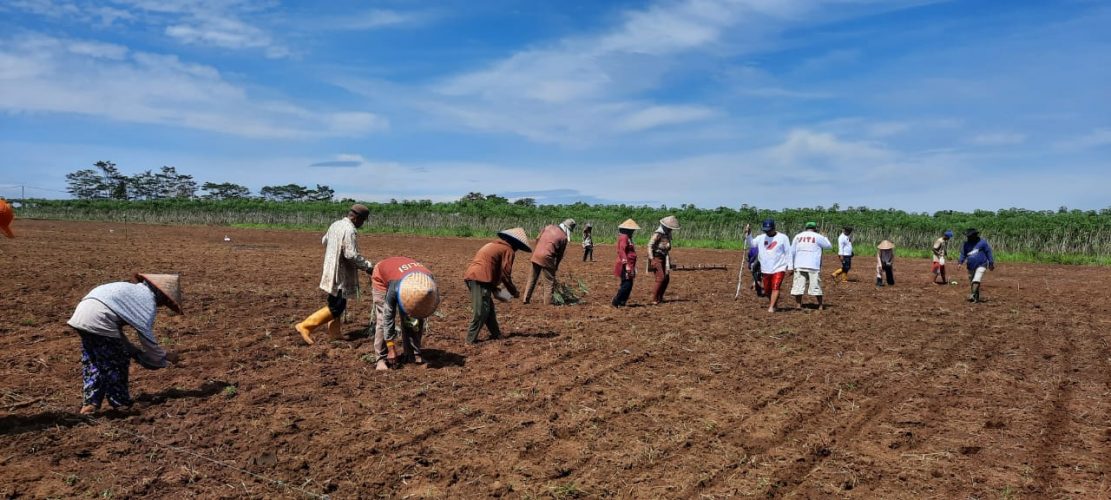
{"x":741,"y":271}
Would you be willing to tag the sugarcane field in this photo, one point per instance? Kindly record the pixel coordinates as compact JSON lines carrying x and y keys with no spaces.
{"x":888,"y":392}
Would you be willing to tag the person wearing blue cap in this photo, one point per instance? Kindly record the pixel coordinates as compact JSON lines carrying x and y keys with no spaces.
{"x":976,"y":252}
{"x":774,"y":256}
{"x":941,"y":252}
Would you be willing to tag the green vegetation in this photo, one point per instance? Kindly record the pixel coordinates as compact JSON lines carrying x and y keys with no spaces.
{"x":1062,"y":236}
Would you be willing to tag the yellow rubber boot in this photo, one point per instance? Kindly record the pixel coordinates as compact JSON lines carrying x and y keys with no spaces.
{"x":314,"y":320}
{"x":837,"y":273}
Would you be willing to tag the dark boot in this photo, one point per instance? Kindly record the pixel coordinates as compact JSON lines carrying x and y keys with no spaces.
{"x":879,"y":281}
{"x":975,"y":293}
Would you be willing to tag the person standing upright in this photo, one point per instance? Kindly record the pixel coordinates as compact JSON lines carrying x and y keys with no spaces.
{"x":845,"y":253}
{"x":941,"y":253}
{"x":659,"y":253}
{"x":806,"y":258}
{"x":491,"y":267}
{"x":546,"y":257}
{"x":775,"y":252}
{"x":588,"y":242}
{"x":340,"y":278}
{"x":977,"y":253}
{"x":626,"y":266}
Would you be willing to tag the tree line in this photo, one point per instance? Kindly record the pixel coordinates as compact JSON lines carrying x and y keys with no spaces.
{"x":106,"y":182}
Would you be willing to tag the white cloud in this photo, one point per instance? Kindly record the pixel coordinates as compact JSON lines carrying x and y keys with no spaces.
{"x":108,"y":81}
{"x":998,"y":139}
{"x":1096,"y":138}
{"x":656,"y":116}
{"x":374,"y":19}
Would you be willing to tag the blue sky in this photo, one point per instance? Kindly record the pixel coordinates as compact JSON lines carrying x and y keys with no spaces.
{"x":912,"y":104}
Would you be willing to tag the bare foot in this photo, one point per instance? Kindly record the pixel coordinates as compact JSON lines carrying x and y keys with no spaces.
{"x":88,"y":410}
{"x":381,"y":365}
{"x":771,"y":309}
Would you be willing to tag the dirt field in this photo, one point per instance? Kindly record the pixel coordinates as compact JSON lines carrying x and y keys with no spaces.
{"x":900,"y":392}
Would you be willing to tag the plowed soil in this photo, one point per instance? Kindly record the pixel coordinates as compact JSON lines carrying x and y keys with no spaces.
{"x":895,"y":392}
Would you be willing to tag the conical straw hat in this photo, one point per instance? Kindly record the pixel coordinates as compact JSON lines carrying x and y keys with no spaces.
{"x":418,"y":295}
{"x":169,"y":285}
{"x":885,"y":245}
{"x":6,"y":216}
{"x":670,"y":222}
{"x":516,"y":237}
{"x":629,"y":224}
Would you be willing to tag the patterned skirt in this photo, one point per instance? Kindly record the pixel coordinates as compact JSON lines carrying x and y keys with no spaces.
{"x":105,"y":362}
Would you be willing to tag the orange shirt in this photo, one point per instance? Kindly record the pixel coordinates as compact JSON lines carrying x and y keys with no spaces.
{"x":493,"y":264}
{"x":393,"y":269}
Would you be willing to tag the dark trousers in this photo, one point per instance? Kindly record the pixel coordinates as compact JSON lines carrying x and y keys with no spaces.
{"x":336,"y":305}
{"x":104,"y":365}
{"x":846,"y":263}
{"x":483,"y":314}
{"x":757,"y":278}
{"x":889,"y":273}
{"x":624,"y":290}
{"x":588,"y":253}
{"x":663,"y":278}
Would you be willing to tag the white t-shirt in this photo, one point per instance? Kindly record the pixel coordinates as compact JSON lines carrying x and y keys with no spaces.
{"x":775,"y":252}
{"x":806,"y":250}
{"x":844,"y":245}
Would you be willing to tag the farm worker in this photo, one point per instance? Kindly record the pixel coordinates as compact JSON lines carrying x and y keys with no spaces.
{"x":588,"y":242}
{"x":659,"y":254}
{"x":546,"y":257}
{"x":6,"y":217}
{"x":402,"y":287}
{"x":977,"y":253}
{"x":806,"y":258}
{"x":885,"y":262}
{"x":845,"y":253}
{"x":626,"y":265}
{"x":775,"y":252}
{"x":941,"y":252}
{"x":340,"y":278}
{"x":105,"y":351}
{"x":753,"y":260}
{"x":492,"y":266}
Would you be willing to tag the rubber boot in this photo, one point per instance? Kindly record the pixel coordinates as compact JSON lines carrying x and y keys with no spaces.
{"x":879,"y":281}
{"x":335,"y":329}
{"x":975,"y":297}
{"x":837,"y":273}
{"x":314,"y":320}
{"x":844,"y":277}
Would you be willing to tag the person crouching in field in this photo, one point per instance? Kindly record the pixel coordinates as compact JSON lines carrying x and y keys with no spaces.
{"x":340,"y":279}
{"x":106,"y":352}
{"x":753,"y":260}
{"x":492,"y":266}
{"x":775,"y":252}
{"x":806,"y":258}
{"x":941,"y":253}
{"x":546,"y":257}
{"x":401,"y":287}
{"x":659,"y":255}
{"x":588,"y":242}
{"x":977,"y":253}
{"x":626,"y":266}
{"x":845,"y":253}
{"x":885,"y":263}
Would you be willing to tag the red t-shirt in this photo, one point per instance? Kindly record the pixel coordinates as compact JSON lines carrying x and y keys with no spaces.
{"x":393,"y":269}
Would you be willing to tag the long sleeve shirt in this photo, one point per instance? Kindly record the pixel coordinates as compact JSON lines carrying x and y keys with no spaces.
{"x":845,"y":245}
{"x":386,"y":279}
{"x":107,"y":308}
{"x":977,"y":254}
{"x":342,"y":260}
{"x":550,"y":247}
{"x":806,"y":250}
{"x":493,"y":265}
{"x":626,"y":255}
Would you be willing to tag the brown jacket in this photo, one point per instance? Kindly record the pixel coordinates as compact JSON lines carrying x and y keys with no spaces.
{"x":493,"y":264}
{"x":550,"y":247}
